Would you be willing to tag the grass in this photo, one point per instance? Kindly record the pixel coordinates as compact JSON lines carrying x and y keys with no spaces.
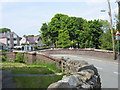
{"x":32,"y":70}
{"x":50,"y":66}
{"x":37,"y":68}
{"x":41,"y":82}
{"x":36,"y":82}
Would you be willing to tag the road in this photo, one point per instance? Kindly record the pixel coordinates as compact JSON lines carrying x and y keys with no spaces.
{"x":108,"y":70}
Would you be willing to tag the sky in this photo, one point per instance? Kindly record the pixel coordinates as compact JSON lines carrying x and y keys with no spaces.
{"x":25,"y":17}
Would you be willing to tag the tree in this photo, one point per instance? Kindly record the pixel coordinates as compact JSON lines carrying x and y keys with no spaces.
{"x":63,"y":39}
{"x":57,"y":23}
{"x":106,"y":41}
{"x":45,"y":34}
{"x":95,"y":32}
{"x":77,"y":31}
{"x":2,"y":30}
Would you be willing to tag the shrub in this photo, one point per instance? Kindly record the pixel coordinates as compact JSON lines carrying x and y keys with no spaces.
{"x":19,"y":57}
{"x":4,"y":58}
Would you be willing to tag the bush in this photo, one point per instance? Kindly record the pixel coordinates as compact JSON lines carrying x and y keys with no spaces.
{"x":19,"y":57}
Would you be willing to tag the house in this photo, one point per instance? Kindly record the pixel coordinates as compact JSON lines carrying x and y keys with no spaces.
{"x":9,"y":39}
{"x":31,"y":40}
{"x":2,"y":46}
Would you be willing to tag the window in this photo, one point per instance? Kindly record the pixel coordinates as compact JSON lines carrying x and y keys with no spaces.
{"x":8,"y":41}
{"x":15,"y":41}
{"x":15,"y":38}
{"x":15,"y":44}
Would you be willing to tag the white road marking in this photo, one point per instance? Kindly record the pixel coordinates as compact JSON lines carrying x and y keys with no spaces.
{"x":116,"y":73}
{"x":99,"y":68}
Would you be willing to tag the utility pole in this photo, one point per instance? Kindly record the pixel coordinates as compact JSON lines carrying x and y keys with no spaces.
{"x":118,"y":28}
{"x":113,"y":41}
{"x":118,"y":24}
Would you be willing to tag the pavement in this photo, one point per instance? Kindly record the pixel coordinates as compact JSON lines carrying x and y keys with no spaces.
{"x":33,"y":75}
{"x":107,"y":68}
{"x":8,"y":82}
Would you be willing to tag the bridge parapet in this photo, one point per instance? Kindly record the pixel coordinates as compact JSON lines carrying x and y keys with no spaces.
{"x":81,"y":76}
{"x":88,"y":51}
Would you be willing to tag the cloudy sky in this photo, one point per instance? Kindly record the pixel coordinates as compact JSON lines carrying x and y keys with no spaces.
{"x":25,"y":17}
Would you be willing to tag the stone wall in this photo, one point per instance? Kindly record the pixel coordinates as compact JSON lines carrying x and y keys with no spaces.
{"x":47,"y":58}
{"x":11,"y":56}
{"x":31,"y":57}
{"x":88,"y":52}
{"x":81,"y":76}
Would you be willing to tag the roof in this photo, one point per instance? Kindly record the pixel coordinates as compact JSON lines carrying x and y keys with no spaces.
{"x":6,"y":34}
{"x":2,"y":43}
{"x":32,"y":39}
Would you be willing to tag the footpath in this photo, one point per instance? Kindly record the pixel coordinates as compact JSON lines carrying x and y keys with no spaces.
{"x":8,"y":82}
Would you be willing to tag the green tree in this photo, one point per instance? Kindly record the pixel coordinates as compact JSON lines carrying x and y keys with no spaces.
{"x":106,"y":41}
{"x":63,"y":39}
{"x":45,"y":34}
{"x":95,"y":32}
{"x":57,"y":23}
{"x":77,"y":31}
{"x":2,"y":30}
{"x":106,"y":38}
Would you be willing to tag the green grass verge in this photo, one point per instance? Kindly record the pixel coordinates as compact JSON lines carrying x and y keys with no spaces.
{"x":31,"y":70}
{"x":50,"y":66}
{"x":37,"y":68}
{"x":36,"y":82}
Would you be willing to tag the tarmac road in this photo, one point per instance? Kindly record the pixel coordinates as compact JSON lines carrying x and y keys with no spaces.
{"x":108,"y":69}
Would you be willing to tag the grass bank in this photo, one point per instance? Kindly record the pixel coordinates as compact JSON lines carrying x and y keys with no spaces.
{"x":36,"y":68}
{"x":41,"y":82}
{"x":36,"y":82}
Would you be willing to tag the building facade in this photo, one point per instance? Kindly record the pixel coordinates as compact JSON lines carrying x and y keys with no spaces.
{"x":10,"y":39}
{"x":31,"y":40}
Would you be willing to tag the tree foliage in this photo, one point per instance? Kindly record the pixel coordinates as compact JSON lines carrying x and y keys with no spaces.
{"x":2,"y":30}
{"x":64,"y":31}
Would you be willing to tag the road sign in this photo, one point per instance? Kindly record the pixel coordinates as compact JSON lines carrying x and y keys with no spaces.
{"x":118,"y":35}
